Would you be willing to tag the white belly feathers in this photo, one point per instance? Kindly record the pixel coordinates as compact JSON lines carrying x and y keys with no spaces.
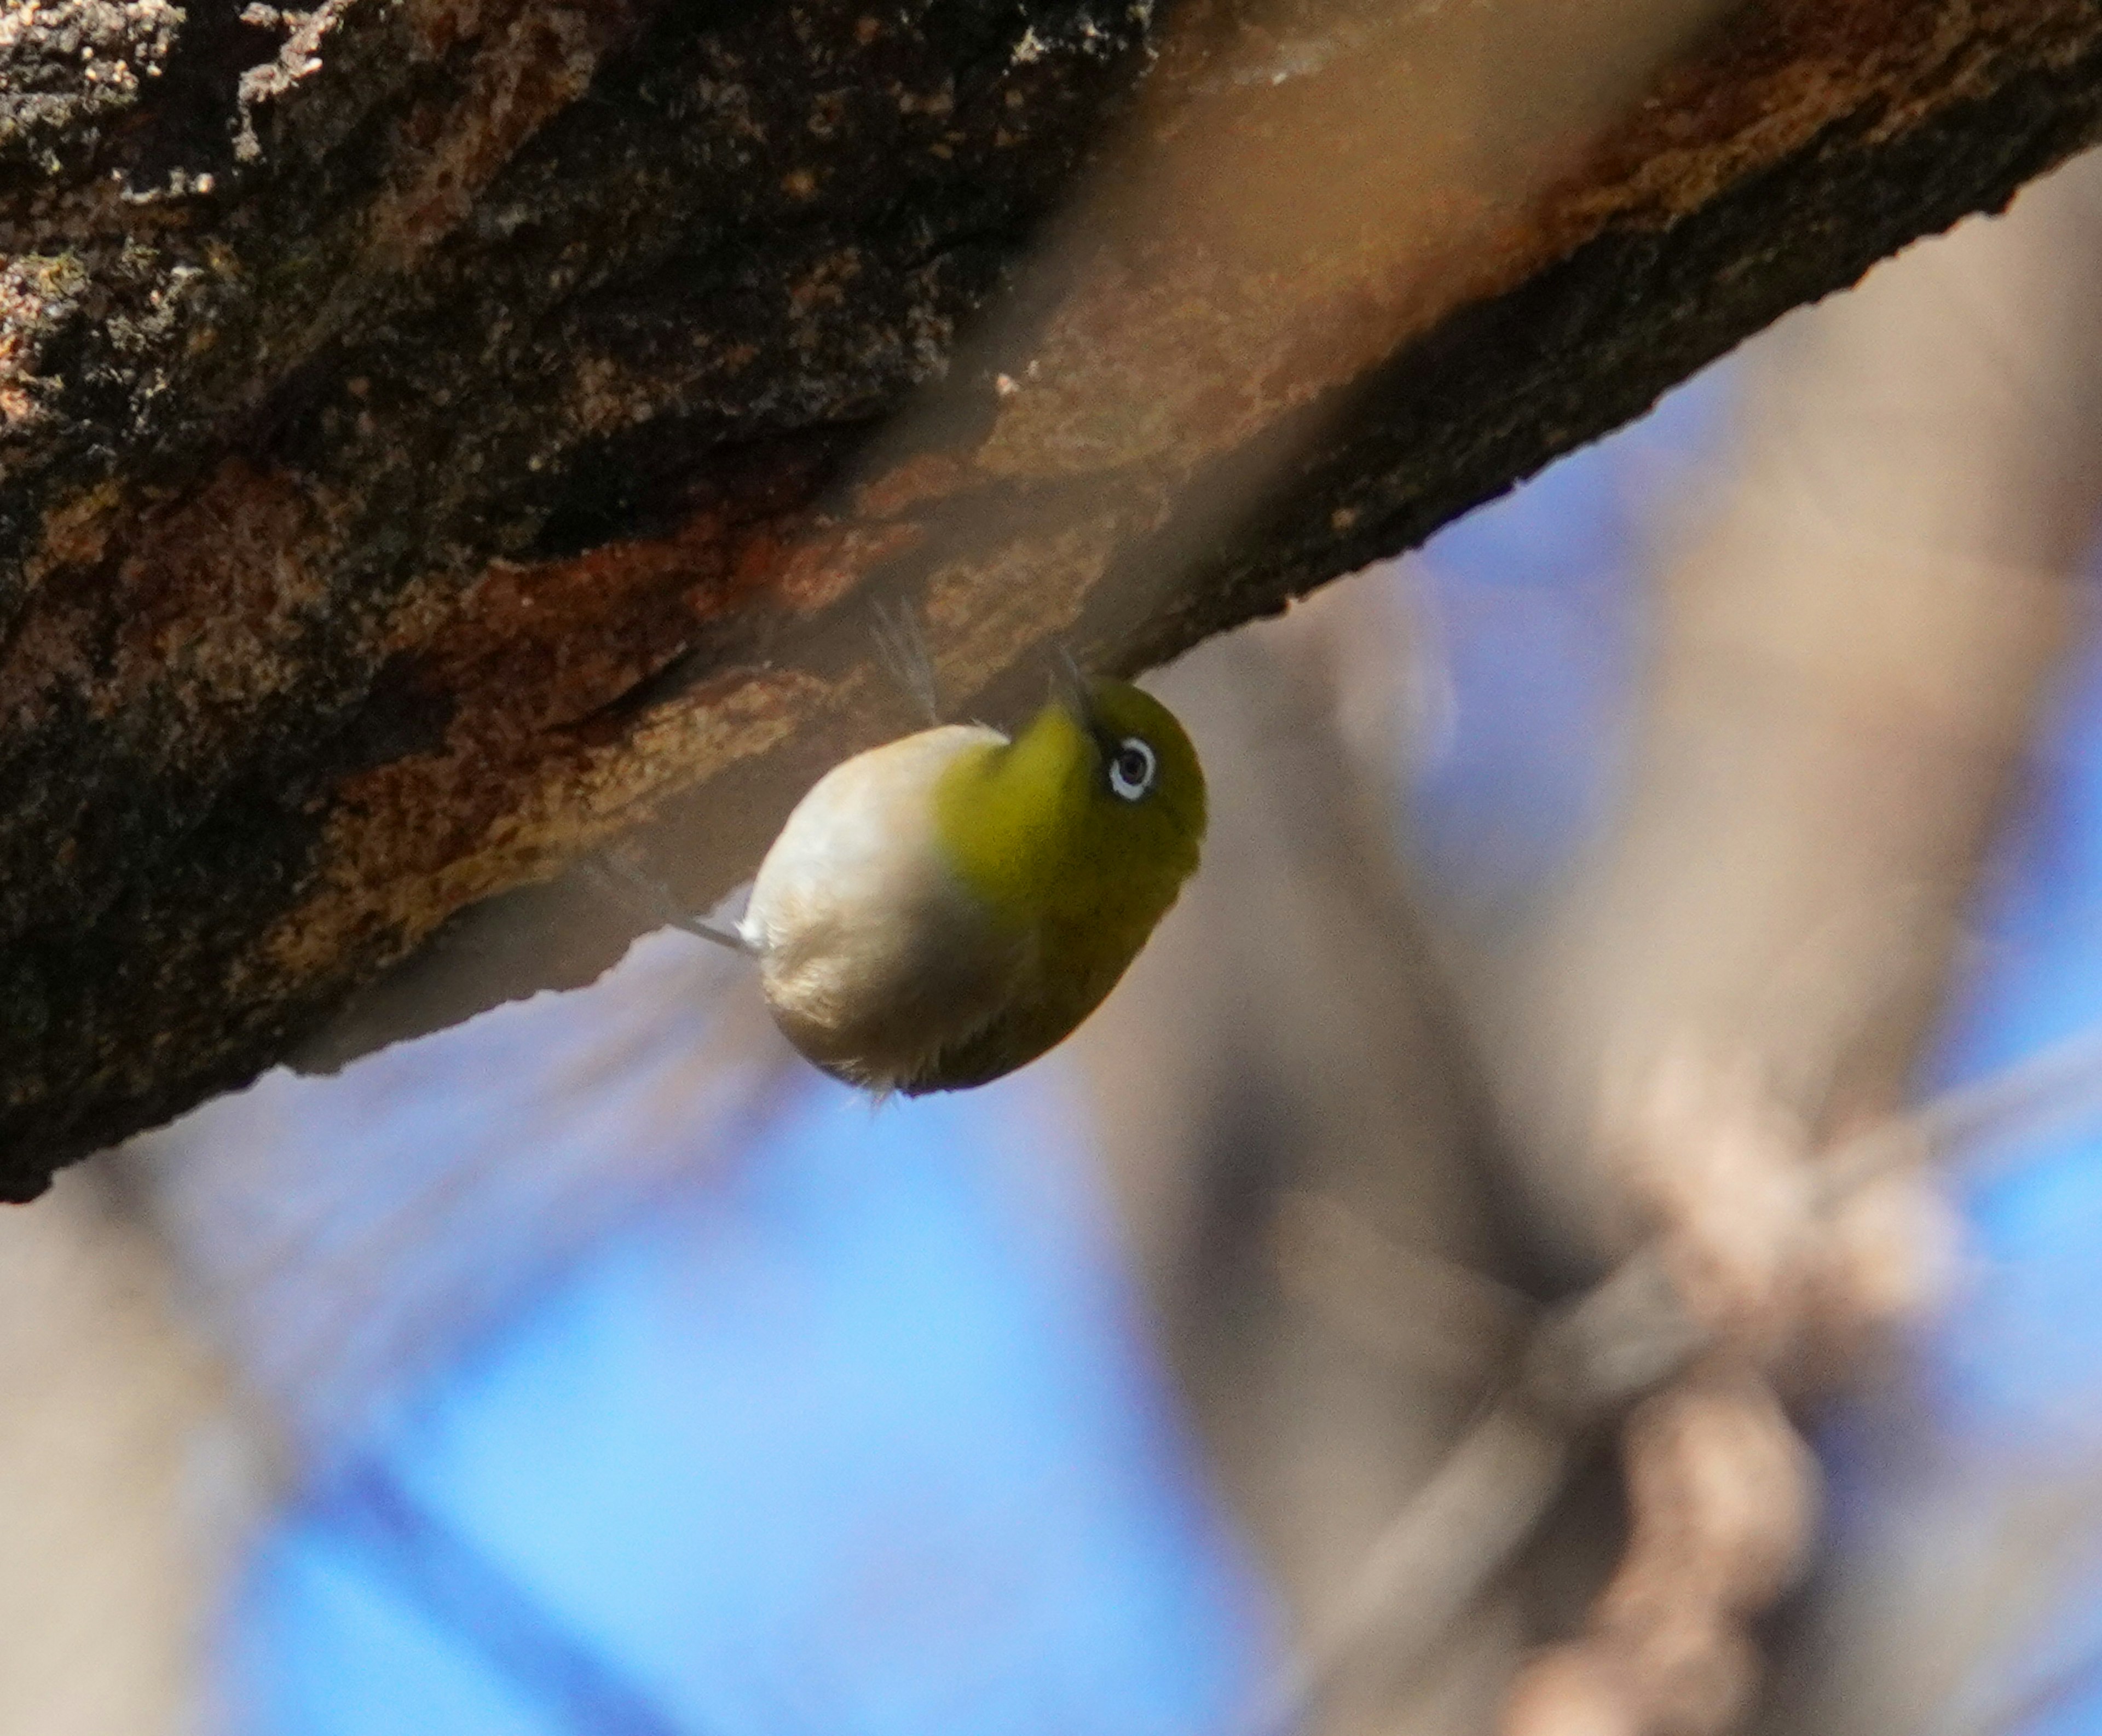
{"x":871,"y":954}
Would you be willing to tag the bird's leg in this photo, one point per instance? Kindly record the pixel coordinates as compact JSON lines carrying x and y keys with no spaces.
{"x":1069,"y":681}
{"x":647,"y":896}
{"x":902,"y":647}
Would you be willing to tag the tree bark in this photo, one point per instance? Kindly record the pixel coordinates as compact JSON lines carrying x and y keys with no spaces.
{"x":439,"y":436}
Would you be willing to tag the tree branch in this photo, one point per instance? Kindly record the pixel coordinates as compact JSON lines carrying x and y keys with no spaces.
{"x":439,"y":436}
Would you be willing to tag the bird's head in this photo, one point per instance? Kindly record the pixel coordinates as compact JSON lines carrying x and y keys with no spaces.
{"x":1094,"y":813}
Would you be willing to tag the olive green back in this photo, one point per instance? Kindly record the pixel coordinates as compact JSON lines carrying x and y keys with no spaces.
{"x":1034,"y":829}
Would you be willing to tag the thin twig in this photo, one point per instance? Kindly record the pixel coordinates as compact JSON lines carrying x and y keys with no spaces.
{"x":1453,"y":1537}
{"x":2034,"y":1094}
{"x":1585,"y":1362}
{"x":647,"y":898}
{"x":468,"y":1593}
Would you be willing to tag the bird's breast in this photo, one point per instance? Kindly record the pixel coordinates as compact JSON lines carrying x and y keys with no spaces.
{"x":873,"y":954}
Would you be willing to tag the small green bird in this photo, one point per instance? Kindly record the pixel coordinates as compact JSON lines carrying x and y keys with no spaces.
{"x":942,"y":909}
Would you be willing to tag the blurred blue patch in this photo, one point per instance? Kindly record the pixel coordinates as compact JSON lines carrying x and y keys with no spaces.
{"x":855,"y":1437}
{"x":2063,"y":1682}
{"x":2021,"y":1360}
{"x":1531,"y":616}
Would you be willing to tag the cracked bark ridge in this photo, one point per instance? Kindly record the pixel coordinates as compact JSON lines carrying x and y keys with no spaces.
{"x":436,"y":437}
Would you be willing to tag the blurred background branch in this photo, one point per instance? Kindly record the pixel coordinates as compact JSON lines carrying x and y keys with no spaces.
{"x":1856,"y":626}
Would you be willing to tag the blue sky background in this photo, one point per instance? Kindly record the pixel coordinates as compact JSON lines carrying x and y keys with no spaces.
{"x":860,"y":1434}
{"x":2019,"y":1365}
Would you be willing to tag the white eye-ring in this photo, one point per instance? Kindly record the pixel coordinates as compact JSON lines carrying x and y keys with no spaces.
{"x":1133,"y":769}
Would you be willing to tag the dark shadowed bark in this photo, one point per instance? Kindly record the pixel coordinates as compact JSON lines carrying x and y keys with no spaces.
{"x":439,"y":436}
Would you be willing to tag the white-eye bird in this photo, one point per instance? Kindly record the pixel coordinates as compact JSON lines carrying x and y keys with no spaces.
{"x":942,"y":909}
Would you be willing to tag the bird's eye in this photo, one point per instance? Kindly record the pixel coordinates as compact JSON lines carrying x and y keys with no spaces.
{"x":1133,"y":769}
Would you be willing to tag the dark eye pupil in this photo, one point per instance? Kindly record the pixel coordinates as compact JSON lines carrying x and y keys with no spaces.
{"x":1132,"y":769}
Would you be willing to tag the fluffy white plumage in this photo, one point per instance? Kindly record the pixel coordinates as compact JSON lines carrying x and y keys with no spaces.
{"x":872,"y":955}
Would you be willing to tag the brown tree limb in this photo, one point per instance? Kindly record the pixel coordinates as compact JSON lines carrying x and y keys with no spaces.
{"x":437,"y":436}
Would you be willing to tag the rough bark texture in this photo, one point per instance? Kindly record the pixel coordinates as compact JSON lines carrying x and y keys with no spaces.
{"x":436,"y":434}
